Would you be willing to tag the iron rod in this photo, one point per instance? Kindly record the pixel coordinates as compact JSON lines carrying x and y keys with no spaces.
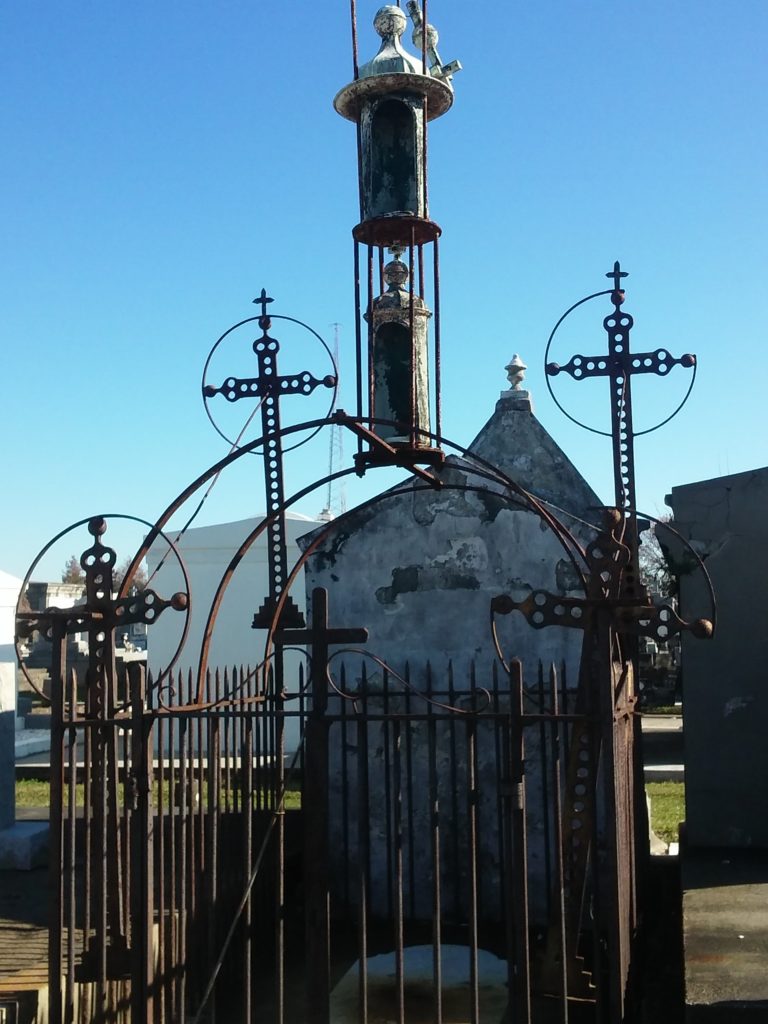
{"x":557,"y":803}
{"x":363,"y":851}
{"x":434,"y":835}
{"x":436,"y":323}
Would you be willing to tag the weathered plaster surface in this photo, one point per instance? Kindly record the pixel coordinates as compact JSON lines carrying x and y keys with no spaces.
{"x":419,"y":570}
{"x":515,"y":442}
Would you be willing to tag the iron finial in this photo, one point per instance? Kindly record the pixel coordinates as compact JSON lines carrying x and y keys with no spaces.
{"x":617,"y":274}
{"x":263,"y":300}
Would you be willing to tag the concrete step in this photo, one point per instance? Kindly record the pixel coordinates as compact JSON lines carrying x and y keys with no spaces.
{"x":664,"y":772}
{"x":32,"y":741}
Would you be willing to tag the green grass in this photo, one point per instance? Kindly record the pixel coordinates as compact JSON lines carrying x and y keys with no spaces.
{"x":34,"y":793}
{"x":667,"y":802}
{"x":667,"y":808}
{"x":662,"y":709}
{"x":37,"y":793}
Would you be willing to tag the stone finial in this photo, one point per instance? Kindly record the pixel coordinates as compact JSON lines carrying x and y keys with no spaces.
{"x":516,"y":396}
{"x":396,"y":274}
{"x":390,"y":21}
{"x":515,"y":372}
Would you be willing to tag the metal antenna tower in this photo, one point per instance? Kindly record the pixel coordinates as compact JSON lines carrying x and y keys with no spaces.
{"x":336,"y":496}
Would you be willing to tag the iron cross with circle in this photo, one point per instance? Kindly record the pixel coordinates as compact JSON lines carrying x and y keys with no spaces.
{"x":269,"y":386}
{"x":620,"y":360}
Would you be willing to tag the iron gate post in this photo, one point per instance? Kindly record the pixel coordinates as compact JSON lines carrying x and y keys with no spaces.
{"x":517,"y":911}
{"x":56,"y":818}
{"x":314,"y":802}
{"x":142,"y":874}
{"x":612,"y":926}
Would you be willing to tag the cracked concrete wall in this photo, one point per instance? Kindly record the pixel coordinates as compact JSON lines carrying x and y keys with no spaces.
{"x":725,"y":679}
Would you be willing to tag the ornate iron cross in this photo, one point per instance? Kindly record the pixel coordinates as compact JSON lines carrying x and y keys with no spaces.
{"x":620,"y":365}
{"x":269,"y":386}
{"x":101,"y":615}
{"x":607,"y":556}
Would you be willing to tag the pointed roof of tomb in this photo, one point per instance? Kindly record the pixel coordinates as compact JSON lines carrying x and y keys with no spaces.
{"x":514,"y":441}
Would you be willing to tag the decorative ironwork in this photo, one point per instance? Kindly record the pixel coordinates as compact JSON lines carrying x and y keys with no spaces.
{"x":608,"y":692}
{"x":270,"y":386}
{"x":620,"y":365}
{"x":607,"y":556}
{"x":107,"y":938}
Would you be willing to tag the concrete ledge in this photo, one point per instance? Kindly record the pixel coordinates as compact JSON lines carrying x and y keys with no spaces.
{"x":32,"y":741}
{"x":725,"y":935}
{"x":24,"y":846}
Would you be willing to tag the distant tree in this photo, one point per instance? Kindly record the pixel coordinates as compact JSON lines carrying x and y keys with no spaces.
{"x":655,"y":566}
{"x":72,"y":573}
{"x":138,"y":580}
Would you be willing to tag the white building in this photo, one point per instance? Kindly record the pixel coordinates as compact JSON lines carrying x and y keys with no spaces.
{"x":10,"y":587}
{"x":207,"y":552}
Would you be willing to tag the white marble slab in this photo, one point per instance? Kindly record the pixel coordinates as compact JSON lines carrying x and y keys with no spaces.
{"x":419,"y":988}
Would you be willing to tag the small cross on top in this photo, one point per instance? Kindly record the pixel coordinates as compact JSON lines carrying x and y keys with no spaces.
{"x":617,"y":274}
{"x":263,"y":300}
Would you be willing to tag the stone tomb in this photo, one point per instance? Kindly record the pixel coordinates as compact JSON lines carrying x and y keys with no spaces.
{"x":419,"y":569}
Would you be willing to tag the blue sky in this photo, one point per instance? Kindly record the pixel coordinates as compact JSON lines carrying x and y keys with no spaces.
{"x":163,"y":162}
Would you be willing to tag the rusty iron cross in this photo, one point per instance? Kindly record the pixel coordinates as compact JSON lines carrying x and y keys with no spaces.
{"x":620,"y":365}
{"x":100,"y":615}
{"x":607,"y":557}
{"x":320,"y":636}
{"x":269,"y":386}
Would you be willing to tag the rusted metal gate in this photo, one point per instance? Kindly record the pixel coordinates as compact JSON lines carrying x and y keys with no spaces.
{"x":210,"y":876}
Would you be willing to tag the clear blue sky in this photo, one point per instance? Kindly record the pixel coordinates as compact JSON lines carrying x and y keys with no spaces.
{"x":163,"y":162}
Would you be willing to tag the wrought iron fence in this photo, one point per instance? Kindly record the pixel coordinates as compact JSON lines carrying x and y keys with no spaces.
{"x":468,"y":843}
